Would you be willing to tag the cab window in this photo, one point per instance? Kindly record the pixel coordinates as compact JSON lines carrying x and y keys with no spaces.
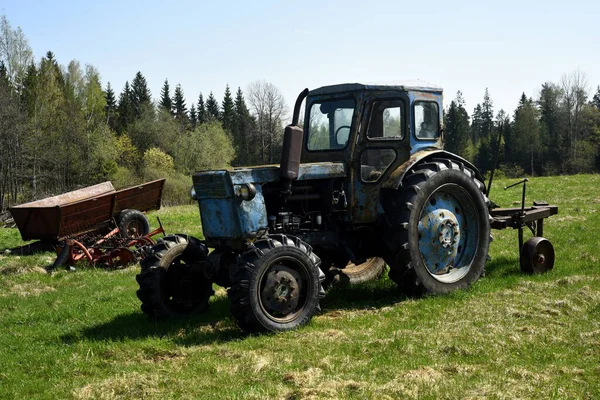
{"x":427,"y":121}
{"x":330,"y":124}
{"x":387,"y":120}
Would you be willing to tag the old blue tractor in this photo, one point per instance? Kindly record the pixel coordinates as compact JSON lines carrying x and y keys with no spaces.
{"x":366,"y":176}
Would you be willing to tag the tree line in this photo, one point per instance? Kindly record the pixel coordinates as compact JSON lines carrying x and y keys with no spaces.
{"x":557,"y":132}
{"x":60,"y":129}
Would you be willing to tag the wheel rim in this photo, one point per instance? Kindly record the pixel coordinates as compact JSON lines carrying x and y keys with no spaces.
{"x":134,"y":228}
{"x":448,"y":233}
{"x":282,"y":295}
{"x":537,"y":256}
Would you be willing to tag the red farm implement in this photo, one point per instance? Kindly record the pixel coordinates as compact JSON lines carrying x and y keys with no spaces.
{"x":97,"y":223}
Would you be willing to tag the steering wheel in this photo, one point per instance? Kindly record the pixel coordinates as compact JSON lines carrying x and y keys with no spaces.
{"x":341,"y":127}
{"x":336,"y":135}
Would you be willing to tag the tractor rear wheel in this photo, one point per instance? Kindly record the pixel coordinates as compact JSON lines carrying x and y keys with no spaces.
{"x":439,"y":231}
{"x":276,"y":285}
{"x":172,"y":281}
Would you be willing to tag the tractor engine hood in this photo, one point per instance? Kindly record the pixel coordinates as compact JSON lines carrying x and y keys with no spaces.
{"x":232,"y":205}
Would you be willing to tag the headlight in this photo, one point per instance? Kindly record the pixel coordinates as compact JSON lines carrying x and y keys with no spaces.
{"x":193,"y":194}
{"x":247,"y":191}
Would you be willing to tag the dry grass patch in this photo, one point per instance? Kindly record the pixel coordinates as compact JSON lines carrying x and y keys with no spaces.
{"x":26,"y":289}
{"x":127,"y":386}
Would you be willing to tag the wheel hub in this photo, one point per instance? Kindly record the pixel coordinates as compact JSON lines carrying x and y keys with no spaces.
{"x":448,"y":231}
{"x":281,"y":292}
{"x":441,"y":229}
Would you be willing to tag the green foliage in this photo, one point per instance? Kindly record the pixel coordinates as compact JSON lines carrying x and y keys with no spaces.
{"x":206,"y":147}
{"x":156,"y":159}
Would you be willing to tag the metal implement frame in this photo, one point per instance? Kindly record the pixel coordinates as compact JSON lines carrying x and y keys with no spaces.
{"x":109,"y":249}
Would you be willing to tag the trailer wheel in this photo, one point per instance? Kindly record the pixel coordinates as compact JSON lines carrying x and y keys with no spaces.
{"x":353,"y":274}
{"x":537,"y":256}
{"x":276,"y":285}
{"x":172,"y":281}
{"x":439,"y":231}
{"x":133,"y":224}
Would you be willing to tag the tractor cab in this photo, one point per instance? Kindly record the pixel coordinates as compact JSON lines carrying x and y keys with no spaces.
{"x":376,"y":124}
{"x":372,"y":130}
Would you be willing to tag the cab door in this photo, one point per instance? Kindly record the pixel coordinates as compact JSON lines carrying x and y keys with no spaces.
{"x":382,"y":145}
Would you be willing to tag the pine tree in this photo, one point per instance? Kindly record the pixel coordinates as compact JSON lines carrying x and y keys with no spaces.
{"x":596,"y":99}
{"x":555,"y":144}
{"x":140,"y":95}
{"x":212,"y":108}
{"x":29,"y":90}
{"x":457,"y":128}
{"x":111,"y":106}
{"x":125,"y":109}
{"x":165,"y":97}
{"x":243,"y":123}
{"x":179,"y":107}
{"x":3,"y":75}
{"x":227,"y":112}
{"x":487,"y":115}
{"x":524,"y":143}
{"x":193,"y":117}
{"x":201,"y":110}
{"x":476,"y":124}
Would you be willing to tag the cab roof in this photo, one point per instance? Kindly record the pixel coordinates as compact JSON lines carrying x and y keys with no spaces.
{"x":411,"y":85}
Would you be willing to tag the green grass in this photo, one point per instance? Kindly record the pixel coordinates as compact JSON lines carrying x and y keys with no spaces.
{"x":81,"y":335}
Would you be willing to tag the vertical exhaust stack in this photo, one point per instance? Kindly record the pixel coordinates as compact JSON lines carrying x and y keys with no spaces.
{"x":292,"y":148}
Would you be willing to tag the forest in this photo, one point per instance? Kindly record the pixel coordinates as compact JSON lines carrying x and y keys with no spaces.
{"x":61,"y":128}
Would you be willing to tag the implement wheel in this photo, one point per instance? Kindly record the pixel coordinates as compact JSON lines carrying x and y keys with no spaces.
{"x":172,"y":281}
{"x":537,"y":256}
{"x":133,"y":224}
{"x":440,"y":229}
{"x":276,"y":285}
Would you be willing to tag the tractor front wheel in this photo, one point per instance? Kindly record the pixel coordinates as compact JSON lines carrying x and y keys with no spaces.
{"x":276,"y":285}
{"x":172,"y":281}
{"x":440,"y":230}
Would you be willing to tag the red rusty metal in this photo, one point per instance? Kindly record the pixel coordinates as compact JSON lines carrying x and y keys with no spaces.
{"x":110,"y":250}
{"x":83,"y":211}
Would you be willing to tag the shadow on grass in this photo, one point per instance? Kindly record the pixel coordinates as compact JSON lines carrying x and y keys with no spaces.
{"x":503,"y":267}
{"x":216,"y":324}
{"x":213,"y":326}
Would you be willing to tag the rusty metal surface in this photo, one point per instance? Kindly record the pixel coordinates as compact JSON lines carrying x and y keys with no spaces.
{"x":71,"y":197}
{"x":73,"y":213}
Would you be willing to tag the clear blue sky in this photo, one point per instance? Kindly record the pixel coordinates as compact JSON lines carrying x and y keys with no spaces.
{"x":509,"y":46}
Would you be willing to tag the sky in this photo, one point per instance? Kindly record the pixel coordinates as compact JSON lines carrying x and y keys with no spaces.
{"x":509,"y":47}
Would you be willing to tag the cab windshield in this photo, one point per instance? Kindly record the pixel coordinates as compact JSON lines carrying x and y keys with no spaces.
{"x":330,"y":124}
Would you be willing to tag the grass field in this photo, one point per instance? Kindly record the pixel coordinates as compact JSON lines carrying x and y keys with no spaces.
{"x":81,"y":334}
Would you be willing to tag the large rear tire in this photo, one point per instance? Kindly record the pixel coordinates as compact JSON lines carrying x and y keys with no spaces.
{"x":172,"y":281}
{"x":439,"y":229}
{"x":276,"y":285}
